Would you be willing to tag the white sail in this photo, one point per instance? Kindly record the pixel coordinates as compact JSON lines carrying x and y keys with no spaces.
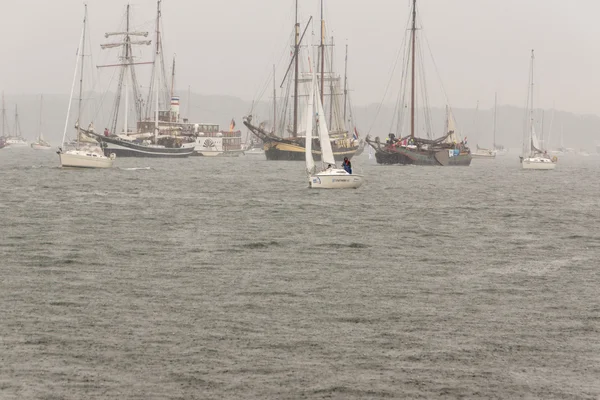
{"x":535,"y":141}
{"x":310,"y":162}
{"x":453,"y":137}
{"x":326,"y":150}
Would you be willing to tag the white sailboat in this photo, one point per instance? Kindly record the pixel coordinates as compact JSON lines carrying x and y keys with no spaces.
{"x":40,"y":143}
{"x":481,"y":152}
{"x":533,"y":157}
{"x":329,"y":177}
{"x":82,"y":154}
{"x":17,"y":139}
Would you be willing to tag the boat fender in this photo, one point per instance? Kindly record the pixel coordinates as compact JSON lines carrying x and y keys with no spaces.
{"x":113,"y":156}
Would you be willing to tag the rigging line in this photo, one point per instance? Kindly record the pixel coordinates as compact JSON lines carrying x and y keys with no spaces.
{"x":446,"y":97}
{"x":399,"y":110}
{"x":425,"y":93}
{"x":260,"y":92}
{"x":389,"y":82}
{"x":100,"y":107}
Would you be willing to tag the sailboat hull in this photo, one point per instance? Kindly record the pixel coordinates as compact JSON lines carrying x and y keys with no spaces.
{"x":538,"y":163}
{"x":83,"y":159}
{"x":484,"y":156}
{"x":38,"y":146}
{"x":336,"y":179}
{"x":405,"y":156}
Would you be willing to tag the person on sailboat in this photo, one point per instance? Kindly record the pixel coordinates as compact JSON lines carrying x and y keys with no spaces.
{"x":347,"y":165}
{"x":106,"y":132}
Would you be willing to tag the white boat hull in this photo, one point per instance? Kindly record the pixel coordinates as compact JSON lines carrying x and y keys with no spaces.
{"x":488,"y":156}
{"x":37,"y":146}
{"x":334,"y":179}
{"x":538,"y":163}
{"x":83,"y":159}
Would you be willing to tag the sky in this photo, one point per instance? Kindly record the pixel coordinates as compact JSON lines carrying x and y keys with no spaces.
{"x":228,"y":47}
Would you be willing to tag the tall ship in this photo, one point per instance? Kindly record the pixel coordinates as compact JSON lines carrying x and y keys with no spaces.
{"x":447,"y":150}
{"x":160,"y":130}
{"x":285,"y":138}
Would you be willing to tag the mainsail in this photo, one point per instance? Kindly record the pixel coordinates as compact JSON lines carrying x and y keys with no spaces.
{"x":326,"y":150}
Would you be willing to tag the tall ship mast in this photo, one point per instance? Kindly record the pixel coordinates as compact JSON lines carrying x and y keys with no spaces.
{"x":160,"y":130}
{"x":446,"y":150}
{"x":285,"y":139}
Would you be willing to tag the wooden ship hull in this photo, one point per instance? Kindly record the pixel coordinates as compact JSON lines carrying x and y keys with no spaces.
{"x":292,"y":149}
{"x":423,"y":157}
{"x":425,"y":152}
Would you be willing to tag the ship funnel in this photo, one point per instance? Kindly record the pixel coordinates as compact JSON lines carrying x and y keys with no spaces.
{"x":174,"y":108}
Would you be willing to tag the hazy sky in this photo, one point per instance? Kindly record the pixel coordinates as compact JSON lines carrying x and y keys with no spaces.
{"x":228,"y":46}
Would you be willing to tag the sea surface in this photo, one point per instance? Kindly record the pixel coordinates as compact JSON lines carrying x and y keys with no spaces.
{"x":227,"y":278}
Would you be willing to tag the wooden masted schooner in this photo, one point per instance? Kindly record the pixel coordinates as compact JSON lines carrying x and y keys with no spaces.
{"x":285,"y":139}
{"x":447,"y":150}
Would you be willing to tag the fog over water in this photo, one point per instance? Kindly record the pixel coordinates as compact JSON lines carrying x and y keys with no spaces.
{"x":228,"y":47}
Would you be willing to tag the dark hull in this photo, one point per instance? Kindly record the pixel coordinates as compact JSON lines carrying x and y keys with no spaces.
{"x":123,"y":148}
{"x":294,"y":151}
{"x":415,"y":157}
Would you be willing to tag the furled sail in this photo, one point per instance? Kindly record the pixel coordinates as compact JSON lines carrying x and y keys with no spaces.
{"x":310,"y":162}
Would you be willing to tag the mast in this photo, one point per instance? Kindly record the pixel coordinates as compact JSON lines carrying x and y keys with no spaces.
{"x":81,"y":76}
{"x":41,"y":109}
{"x":3,"y":115}
{"x":17,"y":127}
{"x":531,"y":105}
{"x":173,"y":78}
{"x":331,"y":94}
{"x":126,"y":70}
{"x":274,"y":102}
{"x":322,"y":53}
{"x":345,"y":83}
{"x":412,"y":90}
{"x":296,"y":46}
{"x":157,"y":85}
{"x":495,"y":107}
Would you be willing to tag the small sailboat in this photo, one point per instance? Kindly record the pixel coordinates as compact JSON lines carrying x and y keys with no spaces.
{"x":82,"y":154}
{"x":533,"y":157}
{"x":40,"y":143}
{"x":482,"y":152}
{"x":499,"y":149}
{"x":17,"y":139}
{"x":329,"y":177}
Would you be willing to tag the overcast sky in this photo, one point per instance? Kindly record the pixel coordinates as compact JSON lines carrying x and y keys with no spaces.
{"x":228,"y":46}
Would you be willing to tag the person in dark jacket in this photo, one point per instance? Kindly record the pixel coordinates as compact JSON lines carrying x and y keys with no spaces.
{"x":347,"y":165}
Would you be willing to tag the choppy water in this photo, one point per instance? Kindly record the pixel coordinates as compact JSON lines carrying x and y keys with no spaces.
{"x":228,"y":279}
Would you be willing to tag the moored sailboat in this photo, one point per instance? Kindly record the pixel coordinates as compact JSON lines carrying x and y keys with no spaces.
{"x":81,"y":154}
{"x":40,"y":143}
{"x":16,"y":139}
{"x":533,"y":156}
{"x":447,"y":150}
